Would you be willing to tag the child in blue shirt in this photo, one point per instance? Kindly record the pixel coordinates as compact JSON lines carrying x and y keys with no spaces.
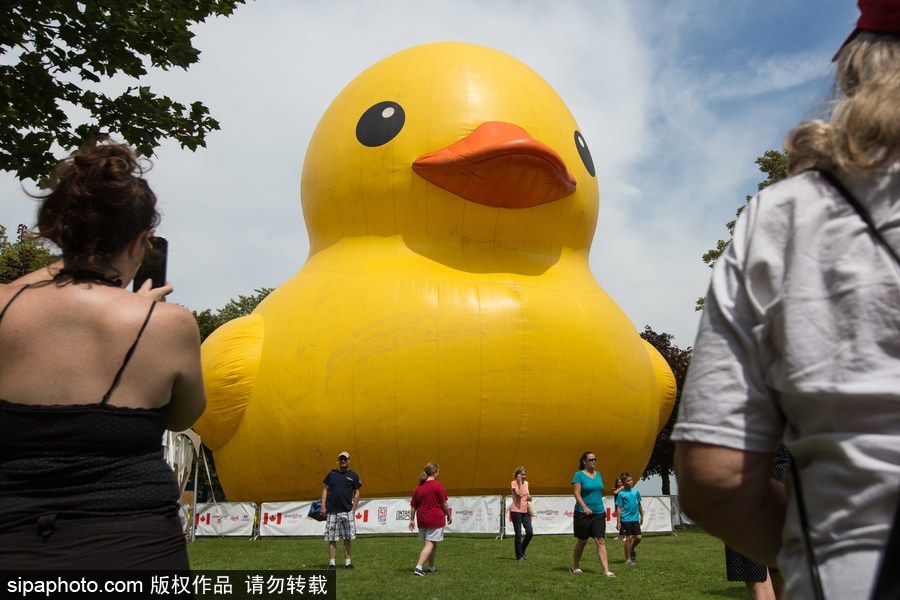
{"x":629,"y":517}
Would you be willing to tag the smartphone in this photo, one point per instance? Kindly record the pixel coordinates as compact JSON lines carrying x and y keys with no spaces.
{"x":154,"y":264}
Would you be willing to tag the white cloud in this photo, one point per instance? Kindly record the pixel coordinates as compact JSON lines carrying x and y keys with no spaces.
{"x":767,"y":75}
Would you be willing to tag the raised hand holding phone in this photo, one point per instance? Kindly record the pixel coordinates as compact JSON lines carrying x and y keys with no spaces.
{"x":150,"y":280}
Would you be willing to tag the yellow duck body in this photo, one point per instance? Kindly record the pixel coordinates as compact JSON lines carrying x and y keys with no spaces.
{"x":446,"y":311}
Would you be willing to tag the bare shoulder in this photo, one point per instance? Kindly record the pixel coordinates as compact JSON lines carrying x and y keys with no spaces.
{"x":175,"y":320}
{"x":175,"y":312}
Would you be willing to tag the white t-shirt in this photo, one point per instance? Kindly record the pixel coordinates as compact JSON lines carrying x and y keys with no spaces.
{"x":800,"y":340}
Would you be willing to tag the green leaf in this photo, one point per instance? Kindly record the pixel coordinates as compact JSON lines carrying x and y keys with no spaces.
{"x":65,"y":48}
{"x":774,"y":165}
{"x":22,"y":256}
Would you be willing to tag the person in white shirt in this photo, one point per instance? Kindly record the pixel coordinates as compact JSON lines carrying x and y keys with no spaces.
{"x":800,"y":342}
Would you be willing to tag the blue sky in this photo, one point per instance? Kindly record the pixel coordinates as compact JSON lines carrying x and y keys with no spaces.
{"x":676,"y":100}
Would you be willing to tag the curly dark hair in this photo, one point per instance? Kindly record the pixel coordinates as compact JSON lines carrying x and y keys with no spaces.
{"x":98,"y":203}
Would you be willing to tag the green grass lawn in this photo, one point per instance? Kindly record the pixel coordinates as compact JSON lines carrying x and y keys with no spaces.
{"x":689,"y":565}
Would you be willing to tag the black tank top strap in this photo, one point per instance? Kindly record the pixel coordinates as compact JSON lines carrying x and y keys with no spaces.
{"x":11,"y":300}
{"x":128,"y":355}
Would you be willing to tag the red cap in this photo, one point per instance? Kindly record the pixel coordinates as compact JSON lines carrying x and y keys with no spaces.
{"x":882,"y":16}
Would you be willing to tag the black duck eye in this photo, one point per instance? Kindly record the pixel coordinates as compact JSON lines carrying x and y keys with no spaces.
{"x":380,"y":124}
{"x":584,"y":153}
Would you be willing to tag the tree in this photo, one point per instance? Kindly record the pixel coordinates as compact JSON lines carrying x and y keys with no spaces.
{"x":22,"y":256}
{"x":662,"y":460}
{"x":209,"y":321}
{"x":59,"y":51}
{"x":774,"y":164}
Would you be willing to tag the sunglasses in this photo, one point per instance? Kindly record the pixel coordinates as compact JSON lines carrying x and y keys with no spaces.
{"x":591,"y":459}
{"x":342,"y":458}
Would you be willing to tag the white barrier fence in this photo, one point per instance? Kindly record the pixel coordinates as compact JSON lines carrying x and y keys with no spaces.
{"x":225,"y":518}
{"x":471,"y":514}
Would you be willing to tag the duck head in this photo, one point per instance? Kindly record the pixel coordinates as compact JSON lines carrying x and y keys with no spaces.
{"x":459,"y":150}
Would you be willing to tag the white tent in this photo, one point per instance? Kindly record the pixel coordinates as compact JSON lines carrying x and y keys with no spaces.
{"x":181,"y":450}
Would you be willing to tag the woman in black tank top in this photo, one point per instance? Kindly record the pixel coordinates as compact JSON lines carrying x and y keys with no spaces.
{"x":92,"y":377}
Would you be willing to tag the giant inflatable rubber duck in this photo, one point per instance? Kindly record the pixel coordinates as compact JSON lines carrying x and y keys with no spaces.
{"x":446,"y":311}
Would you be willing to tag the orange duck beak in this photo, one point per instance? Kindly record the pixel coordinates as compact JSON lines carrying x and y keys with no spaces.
{"x":498,"y":165}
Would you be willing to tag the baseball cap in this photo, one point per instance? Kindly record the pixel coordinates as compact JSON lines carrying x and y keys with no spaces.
{"x":881,"y":16}
{"x":344,"y":453}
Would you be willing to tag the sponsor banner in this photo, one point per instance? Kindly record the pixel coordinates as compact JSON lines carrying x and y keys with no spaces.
{"x":288,"y":518}
{"x":378,"y":515}
{"x":383,"y":515}
{"x":555,"y":514}
{"x":475,"y":514}
{"x":471,"y":514}
{"x":225,"y":518}
{"x":657,"y":514}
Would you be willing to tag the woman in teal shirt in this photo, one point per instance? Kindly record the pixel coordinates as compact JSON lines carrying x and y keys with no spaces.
{"x":590,"y":514}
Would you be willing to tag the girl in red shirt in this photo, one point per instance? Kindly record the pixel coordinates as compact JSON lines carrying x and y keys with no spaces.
{"x":429,"y":505}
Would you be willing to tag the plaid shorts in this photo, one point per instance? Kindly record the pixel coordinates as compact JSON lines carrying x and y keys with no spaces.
{"x":340,"y":526}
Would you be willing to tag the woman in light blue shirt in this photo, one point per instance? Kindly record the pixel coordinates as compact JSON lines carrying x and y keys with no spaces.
{"x":590,"y":514}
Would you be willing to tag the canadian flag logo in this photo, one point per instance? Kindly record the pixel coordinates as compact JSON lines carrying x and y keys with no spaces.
{"x":363,"y":516}
{"x":203,"y":519}
{"x":271,"y":519}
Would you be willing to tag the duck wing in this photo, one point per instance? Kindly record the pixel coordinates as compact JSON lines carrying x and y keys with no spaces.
{"x":230,"y":357}
{"x":666,"y":386}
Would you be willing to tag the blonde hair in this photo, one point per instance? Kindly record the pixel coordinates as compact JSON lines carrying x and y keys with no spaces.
{"x":429,"y":470}
{"x":863,"y":132}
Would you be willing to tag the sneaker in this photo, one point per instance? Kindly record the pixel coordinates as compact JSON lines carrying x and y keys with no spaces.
{"x":610,"y":574}
{"x":349,"y":566}
{"x":630,"y":562}
{"x":432,"y":569}
{"x":575,"y":571}
{"x":524,"y":557}
{"x":331,"y":567}
{"x":633,"y":555}
{"x":521,"y":558}
{"x":419,"y":572}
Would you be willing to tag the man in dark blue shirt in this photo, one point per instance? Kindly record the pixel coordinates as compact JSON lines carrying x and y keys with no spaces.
{"x":340,"y":497}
